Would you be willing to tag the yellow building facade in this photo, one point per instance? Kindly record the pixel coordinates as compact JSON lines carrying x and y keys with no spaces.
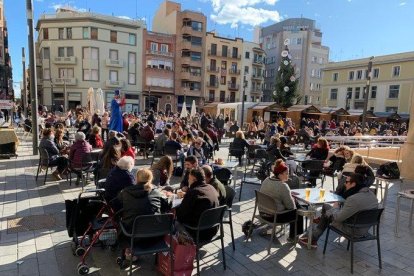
{"x":391,"y":87}
{"x":223,"y":70}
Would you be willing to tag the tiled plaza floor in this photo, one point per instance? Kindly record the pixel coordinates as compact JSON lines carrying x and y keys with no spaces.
{"x":42,"y":246}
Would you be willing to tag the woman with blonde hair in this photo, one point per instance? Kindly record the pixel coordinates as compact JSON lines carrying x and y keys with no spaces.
{"x":356,"y":160}
{"x":239,"y":146}
{"x":162,"y":171}
{"x":140,"y":199}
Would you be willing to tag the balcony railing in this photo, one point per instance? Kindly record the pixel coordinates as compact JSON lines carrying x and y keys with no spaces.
{"x":212,"y":53}
{"x":114,"y":84}
{"x":233,"y":86}
{"x":220,"y":99}
{"x":114,"y":63}
{"x":257,"y":76}
{"x":213,"y":84}
{"x":159,"y":53}
{"x":213,"y":69}
{"x":234,"y":72}
{"x":65,"y":81}
{"x":256,"y":90}
{"x":64,"y":60}
{"x":258,"y":61}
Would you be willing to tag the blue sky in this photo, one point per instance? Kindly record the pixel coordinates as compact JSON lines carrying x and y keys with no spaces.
{"x":351,"y":28}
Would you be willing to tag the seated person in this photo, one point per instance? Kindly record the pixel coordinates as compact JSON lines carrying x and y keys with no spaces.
{"x":276,"y":187}
{"x":138,"y":200}
{"x":190,"y":162}
{"x":362,"y":199}
{"x":197,"y":150}
{"x":95,"y":139}
{"x":199,"y":198}
{"x":127,"y":149}
{"x":162,"y":171}
{"x":336,"y":160}
{"x":160,"y":141}
{"x":239,"y":146}
{"x":119,"y":178}
{"x":273,"y":150}
{"x":47,"y":143}
{"x":174,"y":145}
{"x":77,"y":153}
{"x":284,"y":148}
{"x":213,"y":181}
{"x":320,"y":150}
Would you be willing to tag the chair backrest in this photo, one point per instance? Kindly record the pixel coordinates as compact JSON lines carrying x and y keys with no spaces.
{"x":170,"y":150}
{"x":313,"y":165}
{"x":211,"y":218}
{"x":261,"y":154}
{"x":365,"y":218}
{"x":148,"y":226}
{"x":223,"y":175}
{"x":265,"y":203}
{"x":230,"y":194}
{"x":43,"y":156}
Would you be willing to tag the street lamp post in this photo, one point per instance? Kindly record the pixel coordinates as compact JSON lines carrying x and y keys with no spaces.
{"x":24,"y":90}
{"x":244,"y":94}
{"x":364,"y":114}
{"x":33,"y":80}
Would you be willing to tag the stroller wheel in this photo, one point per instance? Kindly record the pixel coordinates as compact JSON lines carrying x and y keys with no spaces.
{"x":80,"y":251}
{"x":83,"y":269}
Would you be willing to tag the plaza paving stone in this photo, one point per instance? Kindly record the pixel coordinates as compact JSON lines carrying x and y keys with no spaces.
{"x":47,"y":251}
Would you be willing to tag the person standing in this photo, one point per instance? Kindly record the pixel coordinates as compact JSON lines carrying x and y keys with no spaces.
{"x":116,"y":116}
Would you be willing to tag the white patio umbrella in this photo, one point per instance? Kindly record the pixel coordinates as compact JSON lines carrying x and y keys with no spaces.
{"x":193,"y":109}
{"x":184,"y":111}
{"x":100,"y":105}
{"x":91,"y":101}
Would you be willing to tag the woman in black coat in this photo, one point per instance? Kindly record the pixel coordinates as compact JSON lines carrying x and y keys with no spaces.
{"x":239,"y":146}
{"x":199,"y":198}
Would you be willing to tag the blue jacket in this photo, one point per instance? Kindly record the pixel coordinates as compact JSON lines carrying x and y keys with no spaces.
{"x":116,"y":181}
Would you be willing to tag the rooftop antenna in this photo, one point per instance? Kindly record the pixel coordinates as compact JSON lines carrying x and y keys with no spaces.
{"x":136,"y":10}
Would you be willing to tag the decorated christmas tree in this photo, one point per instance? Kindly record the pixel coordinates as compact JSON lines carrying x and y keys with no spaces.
{"x":286,"y":82}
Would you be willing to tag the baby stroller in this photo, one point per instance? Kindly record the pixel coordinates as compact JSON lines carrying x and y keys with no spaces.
{"x":90,"y":221}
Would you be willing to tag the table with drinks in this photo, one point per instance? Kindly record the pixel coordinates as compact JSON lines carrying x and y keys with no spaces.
{"x":313,"y":198}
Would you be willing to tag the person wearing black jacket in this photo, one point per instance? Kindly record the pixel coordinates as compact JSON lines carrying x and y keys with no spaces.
{"x":239,"y":146}
{"x":199,"y":198}
{"x":141,"y":199}
{"x":273,"y":150}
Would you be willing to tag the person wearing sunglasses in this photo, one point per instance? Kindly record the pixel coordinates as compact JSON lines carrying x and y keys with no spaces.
{"x":363,"y":199}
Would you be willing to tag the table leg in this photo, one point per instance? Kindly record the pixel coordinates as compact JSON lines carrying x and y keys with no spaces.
{"x":310,"y":228}
{"x":397,"y":215}
{"x":411,"y":213}
{"x":234,"y":178}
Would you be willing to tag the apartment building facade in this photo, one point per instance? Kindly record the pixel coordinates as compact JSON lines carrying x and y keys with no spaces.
{"x":223,"y":72}
{"x":189,"y":28}
{"x":158,"y":72}
{"x":253,"y":70}
{"x":309,"y":56}
{"x":79,"y":50}
{"x":6,"y":82}
{"x":391,"y":86}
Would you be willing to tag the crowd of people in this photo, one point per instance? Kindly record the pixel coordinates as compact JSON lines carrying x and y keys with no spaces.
{"x":186,"y":146}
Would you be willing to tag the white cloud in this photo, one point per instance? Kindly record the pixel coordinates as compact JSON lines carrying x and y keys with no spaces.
{"x":403,"y":3}
{"x":124,"y":17}
{"x":66,"y":5}
{"x":239,"y":12}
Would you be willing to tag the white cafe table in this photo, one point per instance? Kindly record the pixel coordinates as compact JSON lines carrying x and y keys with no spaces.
{"x":314,"y":201}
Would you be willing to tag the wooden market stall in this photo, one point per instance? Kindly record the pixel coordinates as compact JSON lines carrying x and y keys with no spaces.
{"x":297,"y":112}
{"x":269,"y":111}
{"x":211,"y":108}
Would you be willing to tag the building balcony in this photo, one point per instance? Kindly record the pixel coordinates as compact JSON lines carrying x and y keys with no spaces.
{"x":65,"y":81}
{"x":185,"y":44}
{"x":257,"y":76}
{"x":233,"y":86}
{"x":234,"y":72}
{"x":114,"y":84}
{"x":212,"y":84}
{"x":64,"y":60}
{"x":212,"y":53}
{"x":114,"y":63}
{"x":256,"y":91}
{"x":186,"y":29}
{"x":159,"y":53}
{"x":185,"y":60}
{"x":221,"y":100}
{"x":258,"y":61}
{"x":213,"y":69}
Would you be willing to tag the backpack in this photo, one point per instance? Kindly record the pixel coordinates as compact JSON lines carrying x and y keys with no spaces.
{"x":264,"y":170}
{"x":389,"y":170}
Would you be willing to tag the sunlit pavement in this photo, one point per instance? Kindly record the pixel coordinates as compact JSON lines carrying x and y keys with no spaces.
{"x":34,"y":240}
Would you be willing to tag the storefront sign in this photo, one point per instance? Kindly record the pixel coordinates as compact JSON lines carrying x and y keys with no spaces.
{"x":5,"y":104}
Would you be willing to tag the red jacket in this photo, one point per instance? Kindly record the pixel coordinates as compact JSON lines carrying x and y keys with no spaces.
{"x":129,"y":152}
